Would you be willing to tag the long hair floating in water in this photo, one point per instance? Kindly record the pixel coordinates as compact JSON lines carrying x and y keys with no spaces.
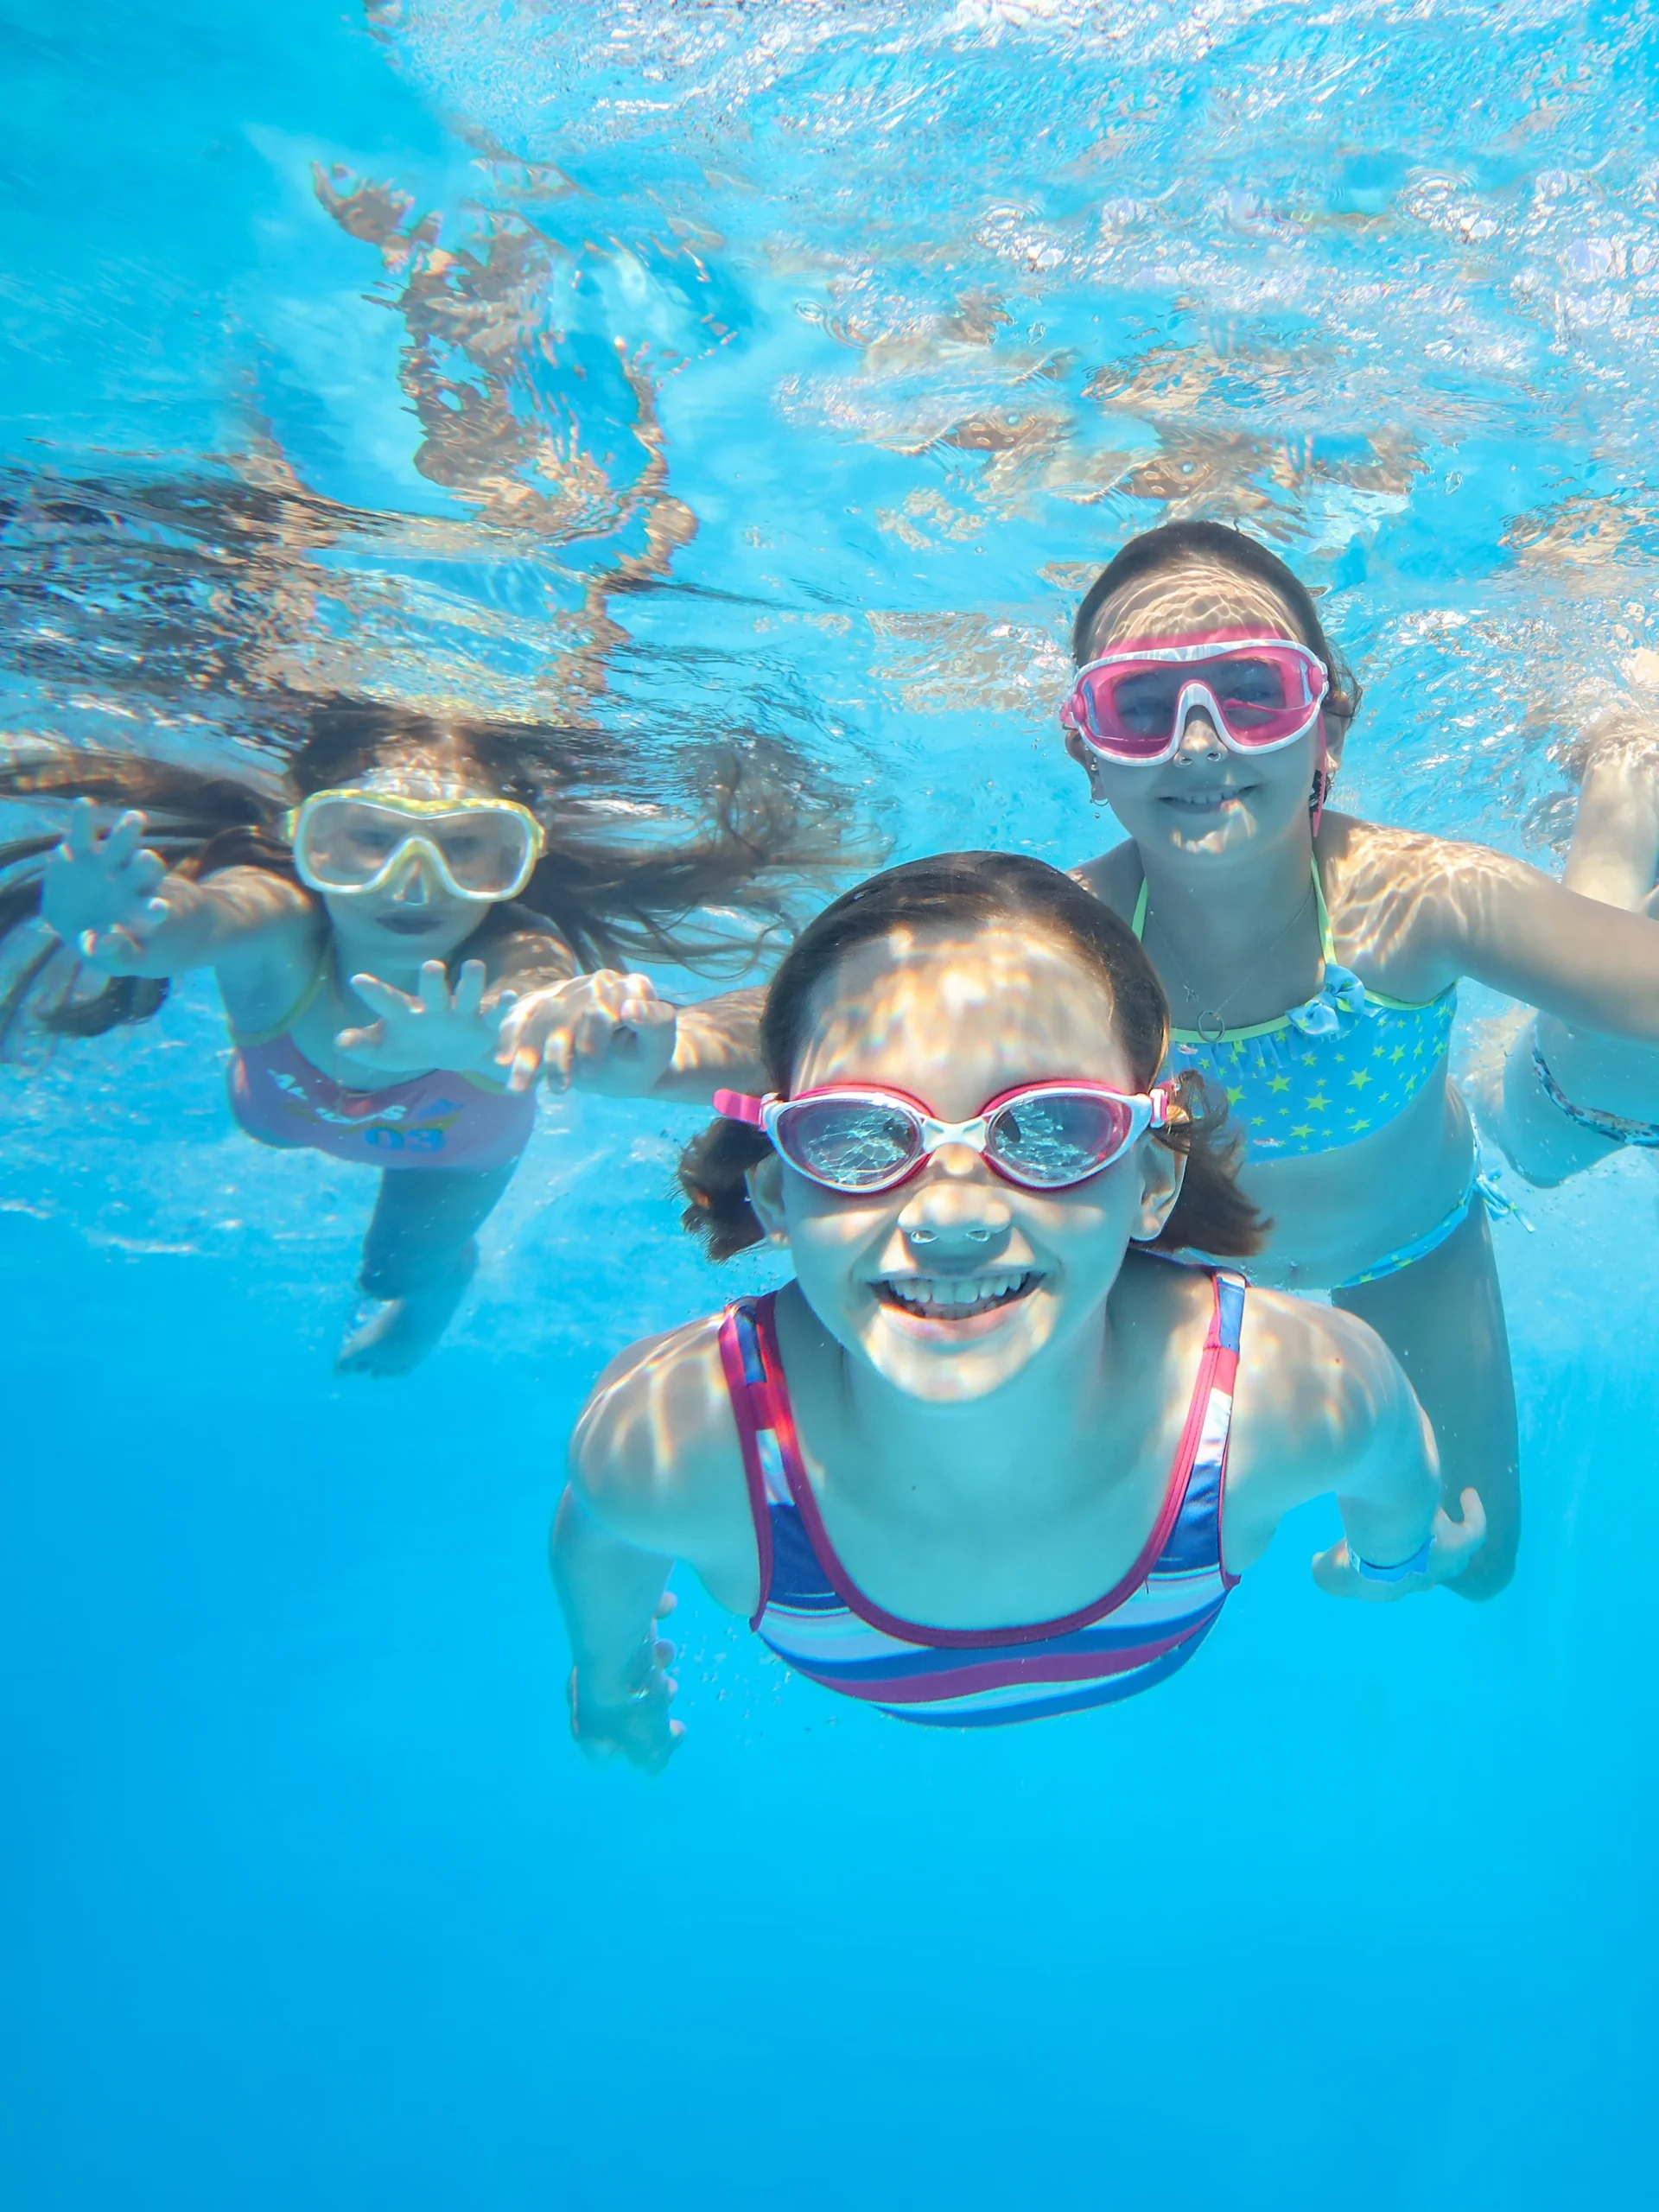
{"x":709,"y":873}
{"x":963,"y":892}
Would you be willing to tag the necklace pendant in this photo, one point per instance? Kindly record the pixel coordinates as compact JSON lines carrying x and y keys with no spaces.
{"x":1212,"y":1027}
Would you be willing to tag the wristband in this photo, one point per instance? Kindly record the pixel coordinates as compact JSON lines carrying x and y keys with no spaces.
{"x":1417,"y":1564}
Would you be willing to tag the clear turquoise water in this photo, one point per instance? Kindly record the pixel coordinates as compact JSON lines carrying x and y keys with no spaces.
{"x":306,"y":1899}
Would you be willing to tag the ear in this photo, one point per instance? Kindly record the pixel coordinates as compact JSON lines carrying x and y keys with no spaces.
{"x":1336,"y":736}
{"x":1162,"y":1173}
{"x":766,"y":1184}
{"x":1088,"y":761}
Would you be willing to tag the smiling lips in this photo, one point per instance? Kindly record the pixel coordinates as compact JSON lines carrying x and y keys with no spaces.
{"x":955,"y":1299}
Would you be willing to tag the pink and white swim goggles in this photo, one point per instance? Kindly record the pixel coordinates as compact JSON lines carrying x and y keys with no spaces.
{"x":857,"y":1138}
{"x":1132,"y":704}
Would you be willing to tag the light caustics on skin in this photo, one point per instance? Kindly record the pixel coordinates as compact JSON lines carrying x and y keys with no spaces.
{"x":953,"y":1282}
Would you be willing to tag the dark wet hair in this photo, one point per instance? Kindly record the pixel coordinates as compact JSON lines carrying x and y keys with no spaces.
{"x":1174,"y":543}
{"x":954,"y":891}
{"x":756,"y":831}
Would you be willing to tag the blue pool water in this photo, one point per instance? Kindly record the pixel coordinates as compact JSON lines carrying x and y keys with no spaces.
{"x":917,"y":311}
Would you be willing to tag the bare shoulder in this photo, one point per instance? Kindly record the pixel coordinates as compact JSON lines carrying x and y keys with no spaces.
{"x":1359,"y":860}
{"x":656,"y":1446}
{"x":1114,"y":878}
{"x":1400,"y":901}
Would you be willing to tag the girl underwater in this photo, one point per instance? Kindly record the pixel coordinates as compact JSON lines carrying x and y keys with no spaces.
{"x":966,"y":1150}
{"x":394,"y":942}
{"x":1312,"y":960}
{"x":1566,"y":1098}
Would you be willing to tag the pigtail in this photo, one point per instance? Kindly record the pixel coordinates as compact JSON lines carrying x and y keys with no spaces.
{"x":1212,"y":1215}
{"x":714,"y":1171}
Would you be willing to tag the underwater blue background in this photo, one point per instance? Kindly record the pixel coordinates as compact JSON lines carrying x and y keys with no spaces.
{"x":306,"y":1898}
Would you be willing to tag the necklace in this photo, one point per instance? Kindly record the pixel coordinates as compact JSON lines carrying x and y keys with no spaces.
{"x":1209,"y":1025}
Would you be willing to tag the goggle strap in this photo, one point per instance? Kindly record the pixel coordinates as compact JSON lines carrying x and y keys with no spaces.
{"x":738,"y":1106}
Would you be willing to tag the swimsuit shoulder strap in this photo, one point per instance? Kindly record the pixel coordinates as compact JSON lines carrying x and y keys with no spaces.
{"x":755,"y":1386}
{"x":1138,"y":920}
{"x":300,"y":1007}
{"x":1197,"y":1478}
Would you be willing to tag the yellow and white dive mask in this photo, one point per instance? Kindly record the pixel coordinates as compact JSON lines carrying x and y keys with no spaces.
{"x":354,"y":840}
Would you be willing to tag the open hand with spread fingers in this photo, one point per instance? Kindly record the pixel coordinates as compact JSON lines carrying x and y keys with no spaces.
{"x":435,"y":1029}
{"x":100,"y":895}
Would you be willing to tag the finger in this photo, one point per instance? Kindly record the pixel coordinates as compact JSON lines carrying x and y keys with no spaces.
{"x":1333,"y":1573}
{"x":469,"y":986}
{"x":647,"y":1014}
{"x":666,"y":1604}
{"x":385,"y":998}
{"x":362,"y":1040}
{"x":123,"y":840}
{"x":556,"y":1060}
{"x":80,"y":839}
{"x":1474,"y":1516}
{"x":604,"y":988}
{"x":434,"y":986}
{"x":112,"y":950}
{"x":591,"y":1037}
{"x":144,"y":871}
{"x":663,"y":1653}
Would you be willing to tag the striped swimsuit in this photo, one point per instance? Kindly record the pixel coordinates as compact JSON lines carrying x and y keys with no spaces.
{"x":814,"y":1616}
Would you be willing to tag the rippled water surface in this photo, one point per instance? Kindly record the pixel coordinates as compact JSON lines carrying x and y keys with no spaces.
{"x":788,"y":368}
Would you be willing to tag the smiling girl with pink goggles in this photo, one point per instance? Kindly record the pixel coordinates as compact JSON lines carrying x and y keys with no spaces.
{"x":1132,"y":704}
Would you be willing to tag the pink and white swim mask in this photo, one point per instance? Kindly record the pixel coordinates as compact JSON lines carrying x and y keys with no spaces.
{"x":1132,"y":704}
{"x":859,"y":1139}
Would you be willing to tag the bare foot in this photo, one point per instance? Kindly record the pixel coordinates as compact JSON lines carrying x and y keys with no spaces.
{"x":399,"y":1335}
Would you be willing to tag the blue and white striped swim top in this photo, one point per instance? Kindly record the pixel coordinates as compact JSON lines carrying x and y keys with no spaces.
{"x":814,"y":1616}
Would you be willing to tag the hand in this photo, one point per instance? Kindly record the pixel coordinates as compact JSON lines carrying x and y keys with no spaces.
{"x":606,"y":1031}
{"x":1455,"y":1543}
{"x":100,"y":898}
{"x":432,"y":1031}
{"x":635,"y":1727}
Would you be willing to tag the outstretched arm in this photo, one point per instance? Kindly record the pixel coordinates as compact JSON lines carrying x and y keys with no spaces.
{"x":613,"y":1594}
{"x":115,"y":904}
{"x":1514,"y":928}
{"x":655,"y":1475}
{"x":1325,"y":1407}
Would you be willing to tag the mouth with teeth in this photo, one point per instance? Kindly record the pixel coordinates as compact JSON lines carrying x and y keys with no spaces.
{"x":931,"y":1299}
{"x":1211,"y":801}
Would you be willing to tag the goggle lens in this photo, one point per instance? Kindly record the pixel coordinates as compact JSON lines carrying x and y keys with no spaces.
{"x":854,"y":1144}
{"x":346,"y":843}
{"x":1044,"y":1139}
{"x":1054,"y":1139}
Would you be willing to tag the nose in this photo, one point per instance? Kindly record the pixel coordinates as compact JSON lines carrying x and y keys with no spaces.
{"x":955,"y":1214}
{"x":413,"y":888}
{"x":1201,"y":739}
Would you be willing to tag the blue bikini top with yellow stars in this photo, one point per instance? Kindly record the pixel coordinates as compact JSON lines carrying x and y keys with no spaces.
{"x":1327,"y":1072}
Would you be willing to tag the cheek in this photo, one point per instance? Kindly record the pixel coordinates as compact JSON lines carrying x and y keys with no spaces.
{"x":826,"y":1234}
